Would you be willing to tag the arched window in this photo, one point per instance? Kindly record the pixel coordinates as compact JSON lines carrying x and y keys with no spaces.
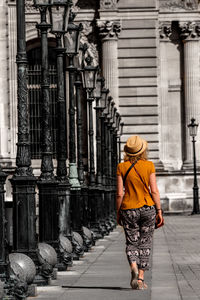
{"x":34,"y":95}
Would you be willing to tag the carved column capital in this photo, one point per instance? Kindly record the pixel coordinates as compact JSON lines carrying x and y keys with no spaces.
{"x":90,"y":46}
{"x":189,"y":30}
{"x":108,"y":4}
{"x":109,"y":29}
{"x":165,"y":30}
{"x":29,"y":8}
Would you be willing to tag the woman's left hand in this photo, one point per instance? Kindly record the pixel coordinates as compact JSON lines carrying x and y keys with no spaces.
{"x":159,"y":218}
{"x":119,"y":219}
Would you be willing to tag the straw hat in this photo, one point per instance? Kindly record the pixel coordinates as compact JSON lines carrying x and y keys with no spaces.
{"x":135,"y":145}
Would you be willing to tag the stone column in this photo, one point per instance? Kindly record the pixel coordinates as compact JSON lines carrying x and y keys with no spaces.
{"x":12,"y":71}
{"x":165,"y":32}
{"x":109,"y":31}
{"x":190,"y":32}
{"x":170,"y":106}
{"x":4,"y":136}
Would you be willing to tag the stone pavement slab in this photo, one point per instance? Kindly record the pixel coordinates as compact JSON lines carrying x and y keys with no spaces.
{"x":176,"y":259}
{"x":103,"y":273}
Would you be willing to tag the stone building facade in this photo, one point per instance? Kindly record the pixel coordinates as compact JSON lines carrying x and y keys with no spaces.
{"x":148,"y":51}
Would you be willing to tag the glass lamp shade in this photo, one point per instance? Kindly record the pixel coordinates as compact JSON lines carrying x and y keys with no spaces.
{"x":117,"y":120}
{"x":111,"y":115}
{"x":89,"y":77}
{"x":107,"y":112}
{"x":38,"y":3}
{"x":59,"y":15}
{"x":193,"y":127}
{"x":122,"y":126}
{"x":72,"y":39}
{"x":78,"y":60}
{"x":104,"y":97}
{"x":114,"y":116}
{"x":98,"y":89}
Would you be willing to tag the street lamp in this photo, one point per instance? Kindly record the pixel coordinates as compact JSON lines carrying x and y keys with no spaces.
{"x":99,"y":190}
{"x":23,"y":181}
{"x":71,"y":44}
{"x":193,"y":133}
{"x":47,"y":184}
{"x":103,"y":104}
{"x":89,"y":77}
{"x":72,"y":37}
{"x":121,"y":133}
{"x":59,"y":16}
{"x":97,"y":96}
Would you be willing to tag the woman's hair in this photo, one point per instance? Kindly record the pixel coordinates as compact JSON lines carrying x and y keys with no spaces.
{"x":132,"y":159}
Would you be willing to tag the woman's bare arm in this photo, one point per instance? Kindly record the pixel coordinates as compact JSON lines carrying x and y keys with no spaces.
{"x":154,"y":190}
{"x":120,"y":192}
{"x":156,"y":197}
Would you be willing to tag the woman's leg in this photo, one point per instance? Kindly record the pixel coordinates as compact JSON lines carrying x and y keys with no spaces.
{"x":132,"y":232}
{"x":131,"y":227}
{"x":146,"y":233}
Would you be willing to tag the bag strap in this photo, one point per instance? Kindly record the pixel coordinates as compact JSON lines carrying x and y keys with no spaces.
{"x":124,"y":179}
{"x":143,"y":182}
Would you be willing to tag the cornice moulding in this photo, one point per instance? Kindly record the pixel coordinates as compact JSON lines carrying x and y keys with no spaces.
{"x":108,"y":15}
{"x":138,"y":15}
{"x":181,"y":16}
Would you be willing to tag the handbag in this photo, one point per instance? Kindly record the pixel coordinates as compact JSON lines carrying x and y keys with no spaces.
{"x":157,"y":225}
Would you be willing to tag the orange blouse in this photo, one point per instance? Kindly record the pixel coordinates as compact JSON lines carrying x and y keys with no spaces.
{"x":136,"y":194}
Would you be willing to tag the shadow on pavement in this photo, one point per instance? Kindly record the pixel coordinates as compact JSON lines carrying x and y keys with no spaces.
{"x":115,"y":288}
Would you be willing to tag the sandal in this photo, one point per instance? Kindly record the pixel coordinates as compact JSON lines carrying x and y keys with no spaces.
{"x":142,"y":285}
{"x":134,"y":279}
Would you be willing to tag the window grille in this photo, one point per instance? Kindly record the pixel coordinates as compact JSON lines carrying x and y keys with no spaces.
{"x":35,"y":104}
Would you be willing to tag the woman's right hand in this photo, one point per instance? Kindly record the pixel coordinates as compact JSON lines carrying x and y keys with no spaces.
{"x":159,"y":218}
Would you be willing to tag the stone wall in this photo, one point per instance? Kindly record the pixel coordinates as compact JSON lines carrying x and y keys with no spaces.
{"x":138,"y":72}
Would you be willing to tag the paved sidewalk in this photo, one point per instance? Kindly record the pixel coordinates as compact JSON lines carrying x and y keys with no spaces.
{"x":103,"y":273}
{"x":176,"y":259}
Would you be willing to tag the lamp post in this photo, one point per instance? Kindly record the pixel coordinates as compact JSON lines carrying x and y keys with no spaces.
{"x":71,"y":43}
{"x":23,"y":181}
{"x":118,"y":119}
{"x":47,"y":184}
{"x":103,"y":105}
{"x":110,"y":164}
{"x":59,"y":16}
{"x":114,"y":163}
{"x":121,"y":133}
{"x":89,"y":76}
{"x":97,"y":96}
{"x":86,"y":234}
{"x":106,"y":165}
{"x":99,"y":182}
{"x":193,"y":132}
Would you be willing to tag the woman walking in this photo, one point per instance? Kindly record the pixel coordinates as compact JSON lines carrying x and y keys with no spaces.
{"x":137,"y":207}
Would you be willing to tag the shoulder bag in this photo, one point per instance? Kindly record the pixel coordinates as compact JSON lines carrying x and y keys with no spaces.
{"x":157,"y":217}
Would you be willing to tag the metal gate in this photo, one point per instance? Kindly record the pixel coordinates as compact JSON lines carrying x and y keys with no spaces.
{"x":34,"y":96}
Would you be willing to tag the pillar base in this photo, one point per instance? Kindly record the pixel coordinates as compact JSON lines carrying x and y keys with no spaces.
{"x":73,"y":176}
{"x":189,"y":165}
{"x":77,"y":244}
